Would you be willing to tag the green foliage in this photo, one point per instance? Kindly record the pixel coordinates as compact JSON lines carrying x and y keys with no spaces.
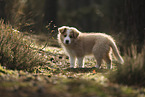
{"x":133,"y":71}
{"x":15,"y":51}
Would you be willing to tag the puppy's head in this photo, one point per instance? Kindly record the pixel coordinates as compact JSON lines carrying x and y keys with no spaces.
{"x":68,"y":34}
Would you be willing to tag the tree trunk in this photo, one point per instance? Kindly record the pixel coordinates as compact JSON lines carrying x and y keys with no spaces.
{"x":2,"y":9}
{"x":50,"y":9}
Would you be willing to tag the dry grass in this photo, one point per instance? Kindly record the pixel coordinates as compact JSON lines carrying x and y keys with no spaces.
{"x":15,"y":50}
{"x":133,"y":70}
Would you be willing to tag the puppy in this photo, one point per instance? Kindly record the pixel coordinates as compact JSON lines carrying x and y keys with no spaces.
{"x":77,"y":45}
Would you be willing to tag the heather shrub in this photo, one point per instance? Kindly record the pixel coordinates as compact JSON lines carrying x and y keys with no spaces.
{"x":15,"y":50}
{"x":133,"y":70}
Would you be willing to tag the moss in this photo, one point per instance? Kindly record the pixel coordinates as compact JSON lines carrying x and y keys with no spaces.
{"x":14,"y":84}
{"x":3,"y":70}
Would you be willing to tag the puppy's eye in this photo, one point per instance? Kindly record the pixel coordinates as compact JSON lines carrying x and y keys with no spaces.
{"x":64,"y":35}
{"x":70,"y":36}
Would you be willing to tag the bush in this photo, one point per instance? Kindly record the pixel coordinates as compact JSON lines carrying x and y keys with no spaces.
{"x":15,"y":50}
{"x":133,"y":70}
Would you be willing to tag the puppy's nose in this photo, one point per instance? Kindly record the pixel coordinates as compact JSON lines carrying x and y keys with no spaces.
{"x":67,"y":41}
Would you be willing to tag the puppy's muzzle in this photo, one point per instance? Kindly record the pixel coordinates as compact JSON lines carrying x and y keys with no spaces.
{"x":67,"y":41}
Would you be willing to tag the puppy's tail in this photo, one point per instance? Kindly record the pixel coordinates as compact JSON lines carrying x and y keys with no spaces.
{"x":116,"y":52}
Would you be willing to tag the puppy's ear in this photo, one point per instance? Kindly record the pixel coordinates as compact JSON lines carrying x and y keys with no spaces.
{"x":61,"y":30}
{"x":75,"y":34}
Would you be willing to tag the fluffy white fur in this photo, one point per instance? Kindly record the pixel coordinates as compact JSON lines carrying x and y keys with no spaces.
{"x":77,"y":45}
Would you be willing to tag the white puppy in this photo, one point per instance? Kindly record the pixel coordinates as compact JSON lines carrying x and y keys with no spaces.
{"x":78,"y":45}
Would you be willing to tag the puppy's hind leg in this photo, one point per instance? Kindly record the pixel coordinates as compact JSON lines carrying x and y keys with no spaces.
{"x":80,"y":62}
{"x":72,"y":61}
{"x":108,"y":61}
{"x":98,"y":56}
{"x":99,"y":61}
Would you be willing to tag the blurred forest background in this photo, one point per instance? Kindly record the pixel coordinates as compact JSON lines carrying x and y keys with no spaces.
{"x":124,"y":19}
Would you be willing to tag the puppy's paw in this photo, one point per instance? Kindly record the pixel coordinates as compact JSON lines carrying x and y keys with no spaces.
{"x":71,"y":67}
{"x":109,"y":66}
{"x":81,"y":66}
{"x":97,"y":66}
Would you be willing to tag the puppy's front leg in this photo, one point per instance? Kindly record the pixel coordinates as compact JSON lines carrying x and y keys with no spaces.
{"x":72,"y":61}
{"x":80,"y":62}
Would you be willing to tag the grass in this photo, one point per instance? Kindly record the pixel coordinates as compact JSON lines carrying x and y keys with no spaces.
{"x":133,"y":70}
{"x":16,"y":51}
{"x":53,"y":78}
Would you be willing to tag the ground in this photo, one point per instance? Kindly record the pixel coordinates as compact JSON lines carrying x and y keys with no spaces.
{"x":55,"y":79}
